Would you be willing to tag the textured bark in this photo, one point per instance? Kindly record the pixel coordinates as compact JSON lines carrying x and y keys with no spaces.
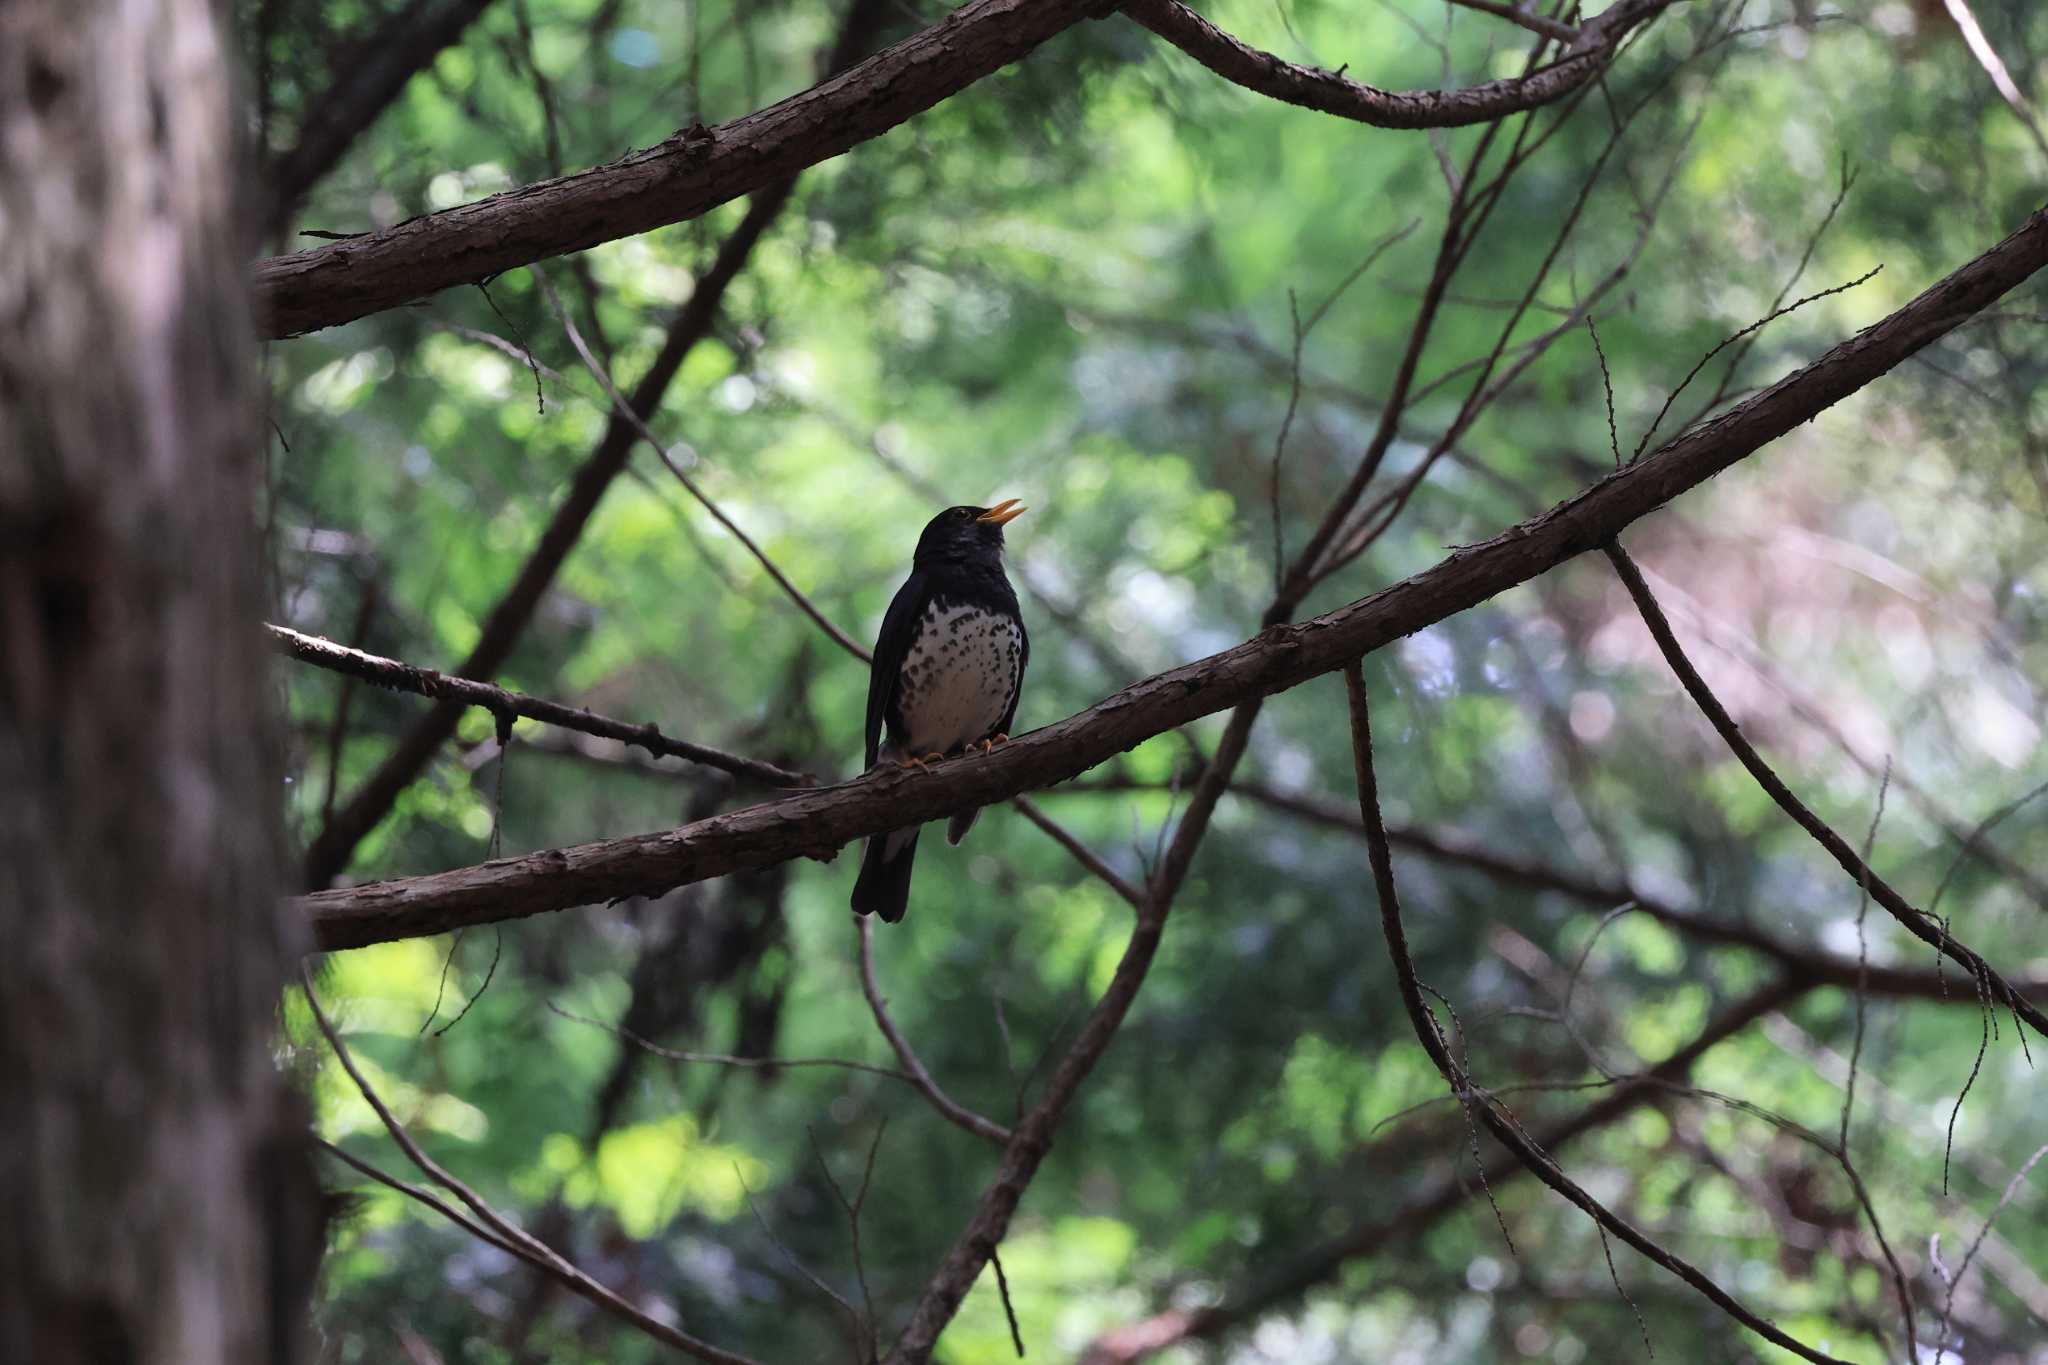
{"x":158,"y":1199}
{"x":817,"y":824}
{"x":700,"y":168}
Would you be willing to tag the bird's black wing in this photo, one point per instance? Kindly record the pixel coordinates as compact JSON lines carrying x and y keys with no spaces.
{"x":1023,"y":662}
{"x":890,"y":647}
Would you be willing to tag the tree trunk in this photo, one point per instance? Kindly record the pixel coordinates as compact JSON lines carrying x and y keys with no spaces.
{"x":157,"y":1197}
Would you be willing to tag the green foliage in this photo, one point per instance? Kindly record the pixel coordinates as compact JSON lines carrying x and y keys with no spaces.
{"x":1072,"y":284}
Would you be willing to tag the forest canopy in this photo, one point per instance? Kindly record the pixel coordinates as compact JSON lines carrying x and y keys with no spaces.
{"x":1291,"y":370}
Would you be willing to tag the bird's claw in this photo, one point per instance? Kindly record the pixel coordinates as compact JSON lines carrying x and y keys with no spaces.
{"x":990,"y":743}
{"x":923,"y":764}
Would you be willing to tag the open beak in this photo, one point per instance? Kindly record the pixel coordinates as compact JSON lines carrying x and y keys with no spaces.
{"x":1003,"y":513}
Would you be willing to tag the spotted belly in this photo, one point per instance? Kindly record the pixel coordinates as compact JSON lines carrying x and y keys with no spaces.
{"x":959,"y":674}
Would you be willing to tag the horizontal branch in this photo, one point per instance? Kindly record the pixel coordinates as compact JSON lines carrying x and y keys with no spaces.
{"x":700,"y":168}
{"x":1328,"y":92}
{"x":817,"y":823}
{"x":1814,"y":966}
{"x":425,"y":682}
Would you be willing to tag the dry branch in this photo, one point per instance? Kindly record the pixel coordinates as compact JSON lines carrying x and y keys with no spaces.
{"x":404,"y":677}
{"x":699,"y":168}
{"x":818,"y":823}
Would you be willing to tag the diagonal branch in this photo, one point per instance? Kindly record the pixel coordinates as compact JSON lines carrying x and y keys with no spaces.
{"x":369,"y":75}
{"x":1917,"y":922}
{"x":1321,"y":1263}
{"x":699,"y":168}
{"x":817,"y":823}
{"x":914,"y":1070}
{"x":331,"y":850}
{"x":503,"y":1233}
{"x":338,"y":837}
{"x":1505,"y":1129}
{"x":404,"y":677}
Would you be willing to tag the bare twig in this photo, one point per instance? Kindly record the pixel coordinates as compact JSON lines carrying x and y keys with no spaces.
{"x":1915,"y":921}
{"x":914,"y":1070}
{"x":725,"y":1059}
{"x":2001,"y":79}
{"x":1504,"y":1130}
{"x":1734,"y":337}
{"x":425,"y":682}
{"x":1954,"y":1278}
{"x":1536,"y":23}
{"x":505,"y":1234}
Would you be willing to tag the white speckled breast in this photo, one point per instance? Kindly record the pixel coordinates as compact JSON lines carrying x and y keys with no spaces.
{"x":962,"y":668}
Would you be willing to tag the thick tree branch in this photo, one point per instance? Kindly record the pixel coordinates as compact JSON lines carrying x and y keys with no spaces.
{"x":1506,"y":1129}
{"x":1916,"y":921}
{"x":1330,"y":93}
{"x":818,"y":823}
{"x":700,"y":168}
{"x":404,"y":677}
{"x":683,"y":177}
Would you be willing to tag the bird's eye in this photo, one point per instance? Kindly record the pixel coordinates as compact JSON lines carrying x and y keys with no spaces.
{"x":964,"y":513}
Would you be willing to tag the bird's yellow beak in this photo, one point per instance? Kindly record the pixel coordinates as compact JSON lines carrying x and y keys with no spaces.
{"x":1003,"y":513}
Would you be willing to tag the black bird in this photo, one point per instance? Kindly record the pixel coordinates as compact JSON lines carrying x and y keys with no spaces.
{"x":949,"y":664}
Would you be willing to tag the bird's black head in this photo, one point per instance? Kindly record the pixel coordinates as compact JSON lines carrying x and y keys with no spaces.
{"x":966,"y":534}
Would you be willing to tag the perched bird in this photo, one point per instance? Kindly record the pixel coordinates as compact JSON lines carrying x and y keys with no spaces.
{"x":948,"y":666}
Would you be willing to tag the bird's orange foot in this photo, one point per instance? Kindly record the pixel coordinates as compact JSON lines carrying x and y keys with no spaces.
{"x":923,"y":764}
{"x":993,"y":740}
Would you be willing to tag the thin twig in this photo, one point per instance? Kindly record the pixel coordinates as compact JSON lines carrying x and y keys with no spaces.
{"x":505,"y":1234}
{"x":1731,"y":339}
{"x":914,"y":1071}
{"x":425,"y":682}
{"x":625,"y":412}
{"x":625,"y":1035}
{"x":1508,"y":1133}
{"x":1916,"y":921}
{"x":1522,"y":18}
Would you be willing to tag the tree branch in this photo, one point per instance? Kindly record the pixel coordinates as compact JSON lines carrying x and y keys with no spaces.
{"x":699,"y":168}
{"x":369,"y":75}
{"x":1321,"y":1263}
{"x":1504,"y":1127}
{"x":913,"y":1069}
{"x":1330,"y":93}
{"x":817,"y":823}
{"x":504,"y":1234}
{"x":1917,"y":922}
{"x":1812,"y":965}
{"x":404,"y":677}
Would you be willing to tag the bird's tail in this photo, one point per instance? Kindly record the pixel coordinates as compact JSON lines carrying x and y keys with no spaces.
{"x":883,"y":887}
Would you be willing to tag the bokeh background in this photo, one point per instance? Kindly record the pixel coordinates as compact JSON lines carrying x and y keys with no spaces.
{"x":1080,"y":283}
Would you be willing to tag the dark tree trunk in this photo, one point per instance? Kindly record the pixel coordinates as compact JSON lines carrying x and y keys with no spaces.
{"x":157,"y":1205}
